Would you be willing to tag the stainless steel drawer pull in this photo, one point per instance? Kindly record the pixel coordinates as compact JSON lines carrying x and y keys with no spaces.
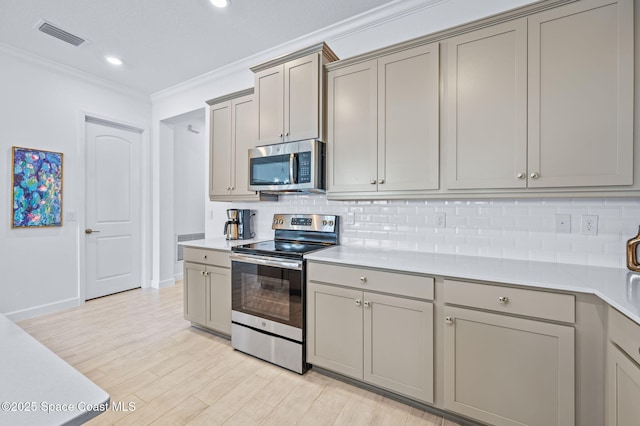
{"x":358,"y":302}
{"x":381,"y":181}
{"x":204,"y":257}
{"x":520,"y":175}
{"x":367,"y":304}
{"x":503,"y":299}
{"x":448,"y":320}
{"x":535,"y":175}
{"x":363,"y":279}
{"x":373,"y":182}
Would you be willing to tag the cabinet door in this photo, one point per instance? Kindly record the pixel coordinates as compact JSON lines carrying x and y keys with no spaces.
{"x":508,"y":371}
{"x":581,"y":95}
{"x":623,"y":388}
{"x":269,"y":92}
{"x":195,"y":292}
{"x":352,"y":128}
{"x":220,"y":150}
{"x":334,"y":329}
{"x":486,"y":98}
{"x":244,"y":136}
{"x":219,"y":299}
{"x":302,"y":98}
{"x":408,"y":136}
{"x":398,"y":342}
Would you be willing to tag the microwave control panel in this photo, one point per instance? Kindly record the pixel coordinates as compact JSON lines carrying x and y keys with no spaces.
{"x":304,"y":167}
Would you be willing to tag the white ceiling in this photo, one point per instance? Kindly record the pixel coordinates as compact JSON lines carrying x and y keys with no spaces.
{"x":165,"y":42}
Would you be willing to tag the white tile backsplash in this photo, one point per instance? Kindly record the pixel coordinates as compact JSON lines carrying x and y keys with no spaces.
{"x":510,"y":229}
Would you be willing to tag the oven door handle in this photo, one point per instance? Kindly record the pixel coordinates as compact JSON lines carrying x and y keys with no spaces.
{"x":267,"y":261}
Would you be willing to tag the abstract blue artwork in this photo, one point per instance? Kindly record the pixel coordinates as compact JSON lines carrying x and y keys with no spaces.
{"x":37,"y":188}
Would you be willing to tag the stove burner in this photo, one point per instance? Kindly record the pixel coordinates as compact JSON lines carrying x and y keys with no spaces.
{"x":295,"y":236}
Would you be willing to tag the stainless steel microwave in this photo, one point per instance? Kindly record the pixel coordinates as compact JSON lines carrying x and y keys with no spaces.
{"x":288,"y":167}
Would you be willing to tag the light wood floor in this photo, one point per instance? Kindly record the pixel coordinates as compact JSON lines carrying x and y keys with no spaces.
{"x":137,"y":347}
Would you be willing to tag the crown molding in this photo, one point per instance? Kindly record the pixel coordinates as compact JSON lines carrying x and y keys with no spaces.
{"x":71,"y":72}
{"x":369,"y":19}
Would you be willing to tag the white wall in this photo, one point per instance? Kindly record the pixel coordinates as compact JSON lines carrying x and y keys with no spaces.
{"x":42,"y":106}
{"x":190,"y":175}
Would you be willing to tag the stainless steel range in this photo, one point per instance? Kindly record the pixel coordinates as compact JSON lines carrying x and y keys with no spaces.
{"x":268,"y":281}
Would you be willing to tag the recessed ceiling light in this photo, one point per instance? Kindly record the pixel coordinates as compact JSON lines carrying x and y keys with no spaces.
{"x":220,"y":3}
{"x":114,"y":60}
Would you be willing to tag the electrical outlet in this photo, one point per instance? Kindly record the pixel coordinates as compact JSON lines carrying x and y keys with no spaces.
{"x":590,"y":224}
{"x":441,"y":220}
{"x":563,"y":223}
{"x":350,"y":218}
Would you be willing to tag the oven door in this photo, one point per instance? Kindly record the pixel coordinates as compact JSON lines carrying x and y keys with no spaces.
{"x":268,"y":294}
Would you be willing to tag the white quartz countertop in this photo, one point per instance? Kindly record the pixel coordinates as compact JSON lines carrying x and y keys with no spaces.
{"x":220,"y":243}
{"x":39,"y":388}
{"x":620,"y":288}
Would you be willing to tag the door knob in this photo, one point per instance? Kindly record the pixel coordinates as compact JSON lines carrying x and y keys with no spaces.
{"x":89,"y":231}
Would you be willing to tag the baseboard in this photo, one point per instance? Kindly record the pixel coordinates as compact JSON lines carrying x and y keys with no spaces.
{"x":179,"y":277}
{"x":43,"y":309}
{"x":166,"y":283}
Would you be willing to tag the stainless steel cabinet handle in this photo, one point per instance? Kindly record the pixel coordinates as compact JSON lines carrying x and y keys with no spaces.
{"x":204,"y":257}
{"x":381,"y":181}
{"x":372,"y":182}
{"x":521,"y":175}
{"x":286,"y":134}
{"x":358,"y":302}
{"x":89,"y":231}
{"x":534,"y":175}
{"x":503,"y":299}
{"x":363,"y":279}
{"x":367,"y":304}
{"x":281,"y":134}
{"x":448,"y":320}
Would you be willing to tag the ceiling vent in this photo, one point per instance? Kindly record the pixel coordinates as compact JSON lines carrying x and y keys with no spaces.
{"x":59,"y":33}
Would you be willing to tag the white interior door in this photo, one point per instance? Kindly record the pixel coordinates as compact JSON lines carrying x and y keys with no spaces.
{"x":113,"y":221}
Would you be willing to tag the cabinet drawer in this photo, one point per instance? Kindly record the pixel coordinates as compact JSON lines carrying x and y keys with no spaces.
{"x":207,"y":257}
{"x":417,"y":286}
{"x":531,"y":303}
{"x":624,"y":333}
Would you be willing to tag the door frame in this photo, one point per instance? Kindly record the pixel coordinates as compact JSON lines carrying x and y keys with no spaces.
{"x":79,"y":200}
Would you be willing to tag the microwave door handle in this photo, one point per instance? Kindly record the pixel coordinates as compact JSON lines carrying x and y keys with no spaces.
{"x":293,"y":168}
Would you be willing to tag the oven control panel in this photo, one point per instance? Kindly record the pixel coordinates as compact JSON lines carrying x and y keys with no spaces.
{"x":305,"y":222}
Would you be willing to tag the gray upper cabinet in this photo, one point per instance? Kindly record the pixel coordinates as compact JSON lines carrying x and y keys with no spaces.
{"x":581,"y":95}
{"x":233,"y":132}
{"x":352,"y":128}
{"x":383,"y":124}
{"x":290,"y":96}
{"x":535,"y":101}
{"x":486,"y":107}
{"x":544,"y":101}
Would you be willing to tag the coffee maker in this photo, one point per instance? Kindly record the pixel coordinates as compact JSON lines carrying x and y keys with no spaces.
{"x":238,"y":227}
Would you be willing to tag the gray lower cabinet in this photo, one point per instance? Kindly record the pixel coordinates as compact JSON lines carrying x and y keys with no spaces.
{"x":506,"y":370}
{"x":207,"y":290}
{"x":623,"y":371}
{"x":381,"y":339}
